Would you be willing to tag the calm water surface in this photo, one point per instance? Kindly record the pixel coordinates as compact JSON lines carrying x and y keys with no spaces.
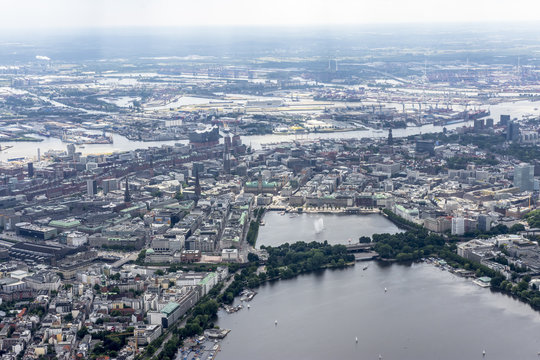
{"x":336,"y":229}
{"x":426,"y":314}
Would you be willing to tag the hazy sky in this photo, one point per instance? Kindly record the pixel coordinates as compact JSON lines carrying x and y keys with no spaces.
{"x":111,"y":13}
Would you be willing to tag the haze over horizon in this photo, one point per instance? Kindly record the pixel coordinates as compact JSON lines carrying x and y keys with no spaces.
{"x":66,"y":14}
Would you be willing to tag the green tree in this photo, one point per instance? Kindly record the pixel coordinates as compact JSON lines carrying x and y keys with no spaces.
{"x":364,"y":239}
{"x":516,"y":228}
{"x":82,"y":332}
{"x":253,"y":257}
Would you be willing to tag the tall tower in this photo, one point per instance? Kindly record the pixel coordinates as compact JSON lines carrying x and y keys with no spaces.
{"x":227,"y":155}
{"x":259,"y":183}
{"x":30,"y":169}
{"x":390,"y":138}
{"x":127,"y":195}
{"x":91,"y":187}
{"x":197,"y":187}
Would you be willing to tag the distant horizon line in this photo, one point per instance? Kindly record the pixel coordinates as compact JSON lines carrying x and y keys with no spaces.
{"x":400,"y":24}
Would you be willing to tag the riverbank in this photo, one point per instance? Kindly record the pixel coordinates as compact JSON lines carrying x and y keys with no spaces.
{"x":419,"y":243}
{"x":20,"y":139}
{"x":287,"y":261}
{"x":399,"y":221}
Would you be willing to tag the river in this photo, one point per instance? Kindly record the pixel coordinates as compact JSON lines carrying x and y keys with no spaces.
{"x":121,"y":143}
{"x":426,"y":314}
{"x":336,"y":229}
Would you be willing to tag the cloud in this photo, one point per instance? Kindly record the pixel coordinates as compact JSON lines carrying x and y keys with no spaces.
{"x":41,"y":57}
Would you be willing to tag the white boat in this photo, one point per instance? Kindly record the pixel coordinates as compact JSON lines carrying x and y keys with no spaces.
{"x":365,"y":267}
{"x":275,"y":323}
{"x":385,"y":289}
{"x":357,"y":339}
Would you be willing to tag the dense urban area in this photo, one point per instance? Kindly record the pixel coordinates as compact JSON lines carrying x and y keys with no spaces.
{"x":132,"y":191}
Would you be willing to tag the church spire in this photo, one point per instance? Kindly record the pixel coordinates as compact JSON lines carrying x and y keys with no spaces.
{"x":127,"y":196}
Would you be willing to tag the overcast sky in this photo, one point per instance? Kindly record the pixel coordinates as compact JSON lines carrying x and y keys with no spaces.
{"x":19,"y":14}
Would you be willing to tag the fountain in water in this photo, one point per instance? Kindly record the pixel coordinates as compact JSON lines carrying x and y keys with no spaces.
{"x":319,"y":225}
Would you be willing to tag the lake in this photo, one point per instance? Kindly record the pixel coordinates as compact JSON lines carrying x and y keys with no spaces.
{"x":336,"y":229}
{"x":426,"y":314}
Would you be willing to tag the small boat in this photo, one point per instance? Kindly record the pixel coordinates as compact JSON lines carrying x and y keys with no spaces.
{"x":248,"y":306}
{"x":357,"y":339}
{"x":484,"y":353}
{"x":262,"y":223}
{"x":385,"y":289}
{"x":275,"y":323}
{"x":365,"y":267}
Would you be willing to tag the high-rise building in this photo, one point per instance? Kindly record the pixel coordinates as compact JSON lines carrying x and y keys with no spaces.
{"x":504,"y":120}
{"x":458,"y":226}
{"x":478,"y":125}
{"x":30,"y":169}
{"x":109,"y":185}
{"x":512,"y":132}
{"x":489,"y":123}
{"x":484,"y":222}
{"x":425,"y":146}
{"x":71,"y":150}
{"x":524,"y":177}
{"x":91,"y":187}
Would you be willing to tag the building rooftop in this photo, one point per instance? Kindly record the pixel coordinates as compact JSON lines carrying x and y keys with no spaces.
{"x":169,"y":308}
